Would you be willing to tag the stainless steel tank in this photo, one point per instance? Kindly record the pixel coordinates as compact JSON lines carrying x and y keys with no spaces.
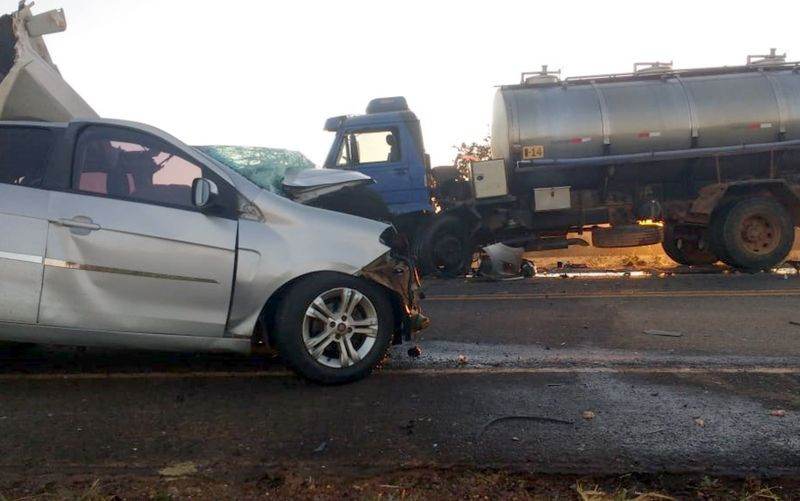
{"x":661,"y":109}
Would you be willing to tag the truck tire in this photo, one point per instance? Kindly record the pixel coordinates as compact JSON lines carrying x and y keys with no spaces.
{"x":443,"y":247}
{"x":333,"y":328}
{"x":633,"y":235}
{"x":685,"y":250}
{"x":752,"y":233}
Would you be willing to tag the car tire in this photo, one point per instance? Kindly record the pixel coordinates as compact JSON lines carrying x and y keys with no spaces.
{"x":320,"y":340}
{"x":688,"y":252}
{"x":443,"y":247}
{"x":752,"y":233}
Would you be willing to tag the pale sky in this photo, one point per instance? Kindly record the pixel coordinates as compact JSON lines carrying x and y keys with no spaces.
{"x":268,"y":73}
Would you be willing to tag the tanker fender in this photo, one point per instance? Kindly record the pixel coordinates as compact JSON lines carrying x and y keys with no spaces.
{"x":711,"y":195}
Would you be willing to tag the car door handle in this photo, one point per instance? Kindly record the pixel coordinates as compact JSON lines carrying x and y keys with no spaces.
{"x":400,"y":171}
{"x":81,"y":222}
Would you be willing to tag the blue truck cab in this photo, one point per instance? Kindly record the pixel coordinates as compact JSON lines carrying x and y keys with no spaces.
{"x":386,"y":145}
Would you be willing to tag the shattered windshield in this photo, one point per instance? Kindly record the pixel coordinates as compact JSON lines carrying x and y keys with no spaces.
{"x":266,"y":167}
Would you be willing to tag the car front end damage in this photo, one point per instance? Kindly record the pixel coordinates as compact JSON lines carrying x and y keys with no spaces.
{"x":399,"y":275}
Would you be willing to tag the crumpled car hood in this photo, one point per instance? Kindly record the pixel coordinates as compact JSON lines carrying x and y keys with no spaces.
{"x":312,"y":183}
{"x":31,"y":87}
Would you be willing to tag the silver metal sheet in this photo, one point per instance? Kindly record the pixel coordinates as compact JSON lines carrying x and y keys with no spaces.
{"x":149,"y":269}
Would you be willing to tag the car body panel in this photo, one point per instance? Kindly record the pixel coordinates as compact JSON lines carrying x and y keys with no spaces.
{"x":23,"y":222}
{"x":295,"y":240}
{"x":25,"y":333}
{"x":148,"y":268}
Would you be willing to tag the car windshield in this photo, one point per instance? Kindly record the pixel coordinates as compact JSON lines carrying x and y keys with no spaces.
{"x":265,"y":167}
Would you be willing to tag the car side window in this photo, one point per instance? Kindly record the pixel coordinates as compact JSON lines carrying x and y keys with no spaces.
{"x":374,"y":146}
{"x":24,"y":152}
{"x":129,"y":165}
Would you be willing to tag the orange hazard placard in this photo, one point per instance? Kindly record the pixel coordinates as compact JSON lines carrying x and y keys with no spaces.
{"x":531,"y":152}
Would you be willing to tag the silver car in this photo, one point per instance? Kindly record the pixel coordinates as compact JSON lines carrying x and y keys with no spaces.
{"x":117,"y":234}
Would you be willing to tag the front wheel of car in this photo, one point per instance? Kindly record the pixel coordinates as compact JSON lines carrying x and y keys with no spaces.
{"x":333,"y":328}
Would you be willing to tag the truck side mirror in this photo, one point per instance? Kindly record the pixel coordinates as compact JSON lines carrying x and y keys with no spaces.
{"x":204,"y":193}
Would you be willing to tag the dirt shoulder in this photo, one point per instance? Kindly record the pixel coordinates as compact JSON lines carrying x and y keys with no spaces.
{"x":408,"y":484}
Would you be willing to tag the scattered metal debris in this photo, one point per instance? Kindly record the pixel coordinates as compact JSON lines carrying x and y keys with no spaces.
{"x":656,"y":332}
{"x":502,"y":260}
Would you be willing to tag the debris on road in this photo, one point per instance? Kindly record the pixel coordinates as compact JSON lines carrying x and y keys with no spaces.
{"x":792,"y":322}
{"x":778,"y":413}
{"x":501,"y":260}
{"x":178,"y":470}
{"x":321,"y":447}
{"x":414,"y":351}
{"x":656,"y":332}
{"x":700,"y":422}
{"x":587,"y":415}
{"x":462,"y":360}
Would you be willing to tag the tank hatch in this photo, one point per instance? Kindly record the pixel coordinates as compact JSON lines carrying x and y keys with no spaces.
{"x":543,"y":76}
{"x":766,"y":59}
{"x":654,"y":68}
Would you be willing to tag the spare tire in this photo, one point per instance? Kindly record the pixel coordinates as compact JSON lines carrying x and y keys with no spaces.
{"x":632,"y":235}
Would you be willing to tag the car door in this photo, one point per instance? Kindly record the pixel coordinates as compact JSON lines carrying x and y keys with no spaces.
{"x":24,"y":152}
{"x":127,"y":250}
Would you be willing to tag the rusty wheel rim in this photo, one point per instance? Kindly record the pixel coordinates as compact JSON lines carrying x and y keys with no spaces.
{"x":759,"y":234}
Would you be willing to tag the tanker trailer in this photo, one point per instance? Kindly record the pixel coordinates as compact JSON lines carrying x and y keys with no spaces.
{"x":712,"y":154}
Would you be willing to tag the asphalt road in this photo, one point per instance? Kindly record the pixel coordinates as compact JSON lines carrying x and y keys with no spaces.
{"x":509,"y":373}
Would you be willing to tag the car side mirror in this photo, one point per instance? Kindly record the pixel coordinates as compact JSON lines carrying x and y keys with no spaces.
{"x":204,"y":193}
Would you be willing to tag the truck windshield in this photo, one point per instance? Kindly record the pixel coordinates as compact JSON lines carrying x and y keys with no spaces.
{"x":265,"y":167}
{"x":368,"y":147}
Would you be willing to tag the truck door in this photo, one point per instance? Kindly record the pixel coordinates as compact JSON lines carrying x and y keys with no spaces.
{"x":24,"y":152}
{"x":127,"y":250}
{"x":378,"y":153}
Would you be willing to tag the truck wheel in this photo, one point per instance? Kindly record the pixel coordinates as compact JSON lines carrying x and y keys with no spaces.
{"x":333,"y":328}
{"x":684,"y":247}
{"x":752,"y":233}
{"x":443,"y":247}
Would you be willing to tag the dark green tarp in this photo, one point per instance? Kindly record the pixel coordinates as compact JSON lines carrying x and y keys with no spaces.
{"x":265,"y":167}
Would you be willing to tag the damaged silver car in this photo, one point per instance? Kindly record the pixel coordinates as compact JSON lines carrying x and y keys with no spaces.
{"x":118,"y":234}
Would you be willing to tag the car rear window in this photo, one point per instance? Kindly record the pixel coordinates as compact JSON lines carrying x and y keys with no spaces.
{"x":24,"y":152}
